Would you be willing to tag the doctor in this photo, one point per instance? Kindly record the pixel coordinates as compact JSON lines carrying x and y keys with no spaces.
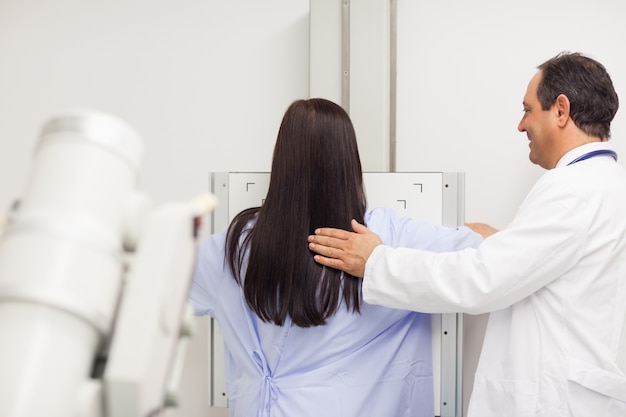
{"x":554,"y":279}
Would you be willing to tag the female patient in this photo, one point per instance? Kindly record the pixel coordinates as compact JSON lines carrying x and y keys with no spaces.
{"x":299,"y":339}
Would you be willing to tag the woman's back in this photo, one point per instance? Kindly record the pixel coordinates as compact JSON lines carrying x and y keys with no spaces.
{"x":373,"y":363}
{"x":299,"y":339}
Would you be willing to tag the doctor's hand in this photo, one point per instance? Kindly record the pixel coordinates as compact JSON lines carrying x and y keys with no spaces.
{"x":482,"y":229}
{"x":344,"y":250}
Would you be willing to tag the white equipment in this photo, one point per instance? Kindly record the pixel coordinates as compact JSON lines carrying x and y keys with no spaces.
{"x":93,"y":281}
{"x":436,"y":197}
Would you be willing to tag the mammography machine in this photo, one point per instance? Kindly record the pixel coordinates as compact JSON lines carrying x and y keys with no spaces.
{"x":436,"y":197}
{"x":93,"y":280}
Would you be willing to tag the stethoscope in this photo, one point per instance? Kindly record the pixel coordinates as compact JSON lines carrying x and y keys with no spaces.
{"x":595,"y":153}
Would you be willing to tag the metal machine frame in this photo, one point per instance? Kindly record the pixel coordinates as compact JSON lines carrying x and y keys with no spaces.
{"x":237,"y":191}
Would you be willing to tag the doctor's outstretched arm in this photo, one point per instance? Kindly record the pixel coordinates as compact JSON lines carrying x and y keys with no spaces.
{"x":344,"y":250}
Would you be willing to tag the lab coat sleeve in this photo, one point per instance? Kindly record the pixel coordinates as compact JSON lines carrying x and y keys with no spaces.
{"x":546,"y":239}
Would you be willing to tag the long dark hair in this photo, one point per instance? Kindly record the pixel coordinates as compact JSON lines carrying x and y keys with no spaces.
{"x":316,"y":181}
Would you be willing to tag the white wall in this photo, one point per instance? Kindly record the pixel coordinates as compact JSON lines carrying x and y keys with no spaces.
{"x":462,"y":73}
{"x":206,"y":82}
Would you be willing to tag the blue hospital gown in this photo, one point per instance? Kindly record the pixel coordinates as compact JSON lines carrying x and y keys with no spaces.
{"x":377,"y":363}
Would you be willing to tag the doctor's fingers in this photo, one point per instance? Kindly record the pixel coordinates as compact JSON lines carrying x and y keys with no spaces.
{"x":332,"y":232}
{"x":326,"y":248}
{"x":330,"y":242}
{"x":349,"y":261}
{"x":355,"y":269}
{"x":327,"y":255}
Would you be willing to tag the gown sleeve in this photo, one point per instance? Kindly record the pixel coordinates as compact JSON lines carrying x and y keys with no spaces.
{"x":398,"y":231}
{"x":209,"y":272}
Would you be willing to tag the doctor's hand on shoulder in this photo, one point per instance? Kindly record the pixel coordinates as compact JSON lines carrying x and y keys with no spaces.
{"x":340,"y":249}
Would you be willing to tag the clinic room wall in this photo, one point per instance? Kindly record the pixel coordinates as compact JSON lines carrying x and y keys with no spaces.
{"x":205,"y":83}
{"x":463,"y":69}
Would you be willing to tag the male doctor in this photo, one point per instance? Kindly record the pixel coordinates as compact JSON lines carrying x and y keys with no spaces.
{"x":554,"y":279}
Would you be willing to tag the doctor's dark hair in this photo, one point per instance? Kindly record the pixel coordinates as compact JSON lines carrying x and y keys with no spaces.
{"x":316,"y":181}
{"x":587,"y":85}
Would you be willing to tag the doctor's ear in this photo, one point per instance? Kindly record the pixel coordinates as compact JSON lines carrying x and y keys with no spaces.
{"x":562,"y":107}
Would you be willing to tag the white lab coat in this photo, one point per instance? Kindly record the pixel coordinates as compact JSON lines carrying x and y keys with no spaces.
{"x":554,"y":281}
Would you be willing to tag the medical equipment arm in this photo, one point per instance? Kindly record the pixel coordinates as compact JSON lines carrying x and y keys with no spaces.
{"x":93,"y":282}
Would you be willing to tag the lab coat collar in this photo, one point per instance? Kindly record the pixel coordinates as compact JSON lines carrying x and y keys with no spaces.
{"x":581,"y":150}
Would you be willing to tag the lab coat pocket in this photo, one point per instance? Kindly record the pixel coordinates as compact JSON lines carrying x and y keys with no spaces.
{"x":493,"y":397}
{"x":599,"y":380}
